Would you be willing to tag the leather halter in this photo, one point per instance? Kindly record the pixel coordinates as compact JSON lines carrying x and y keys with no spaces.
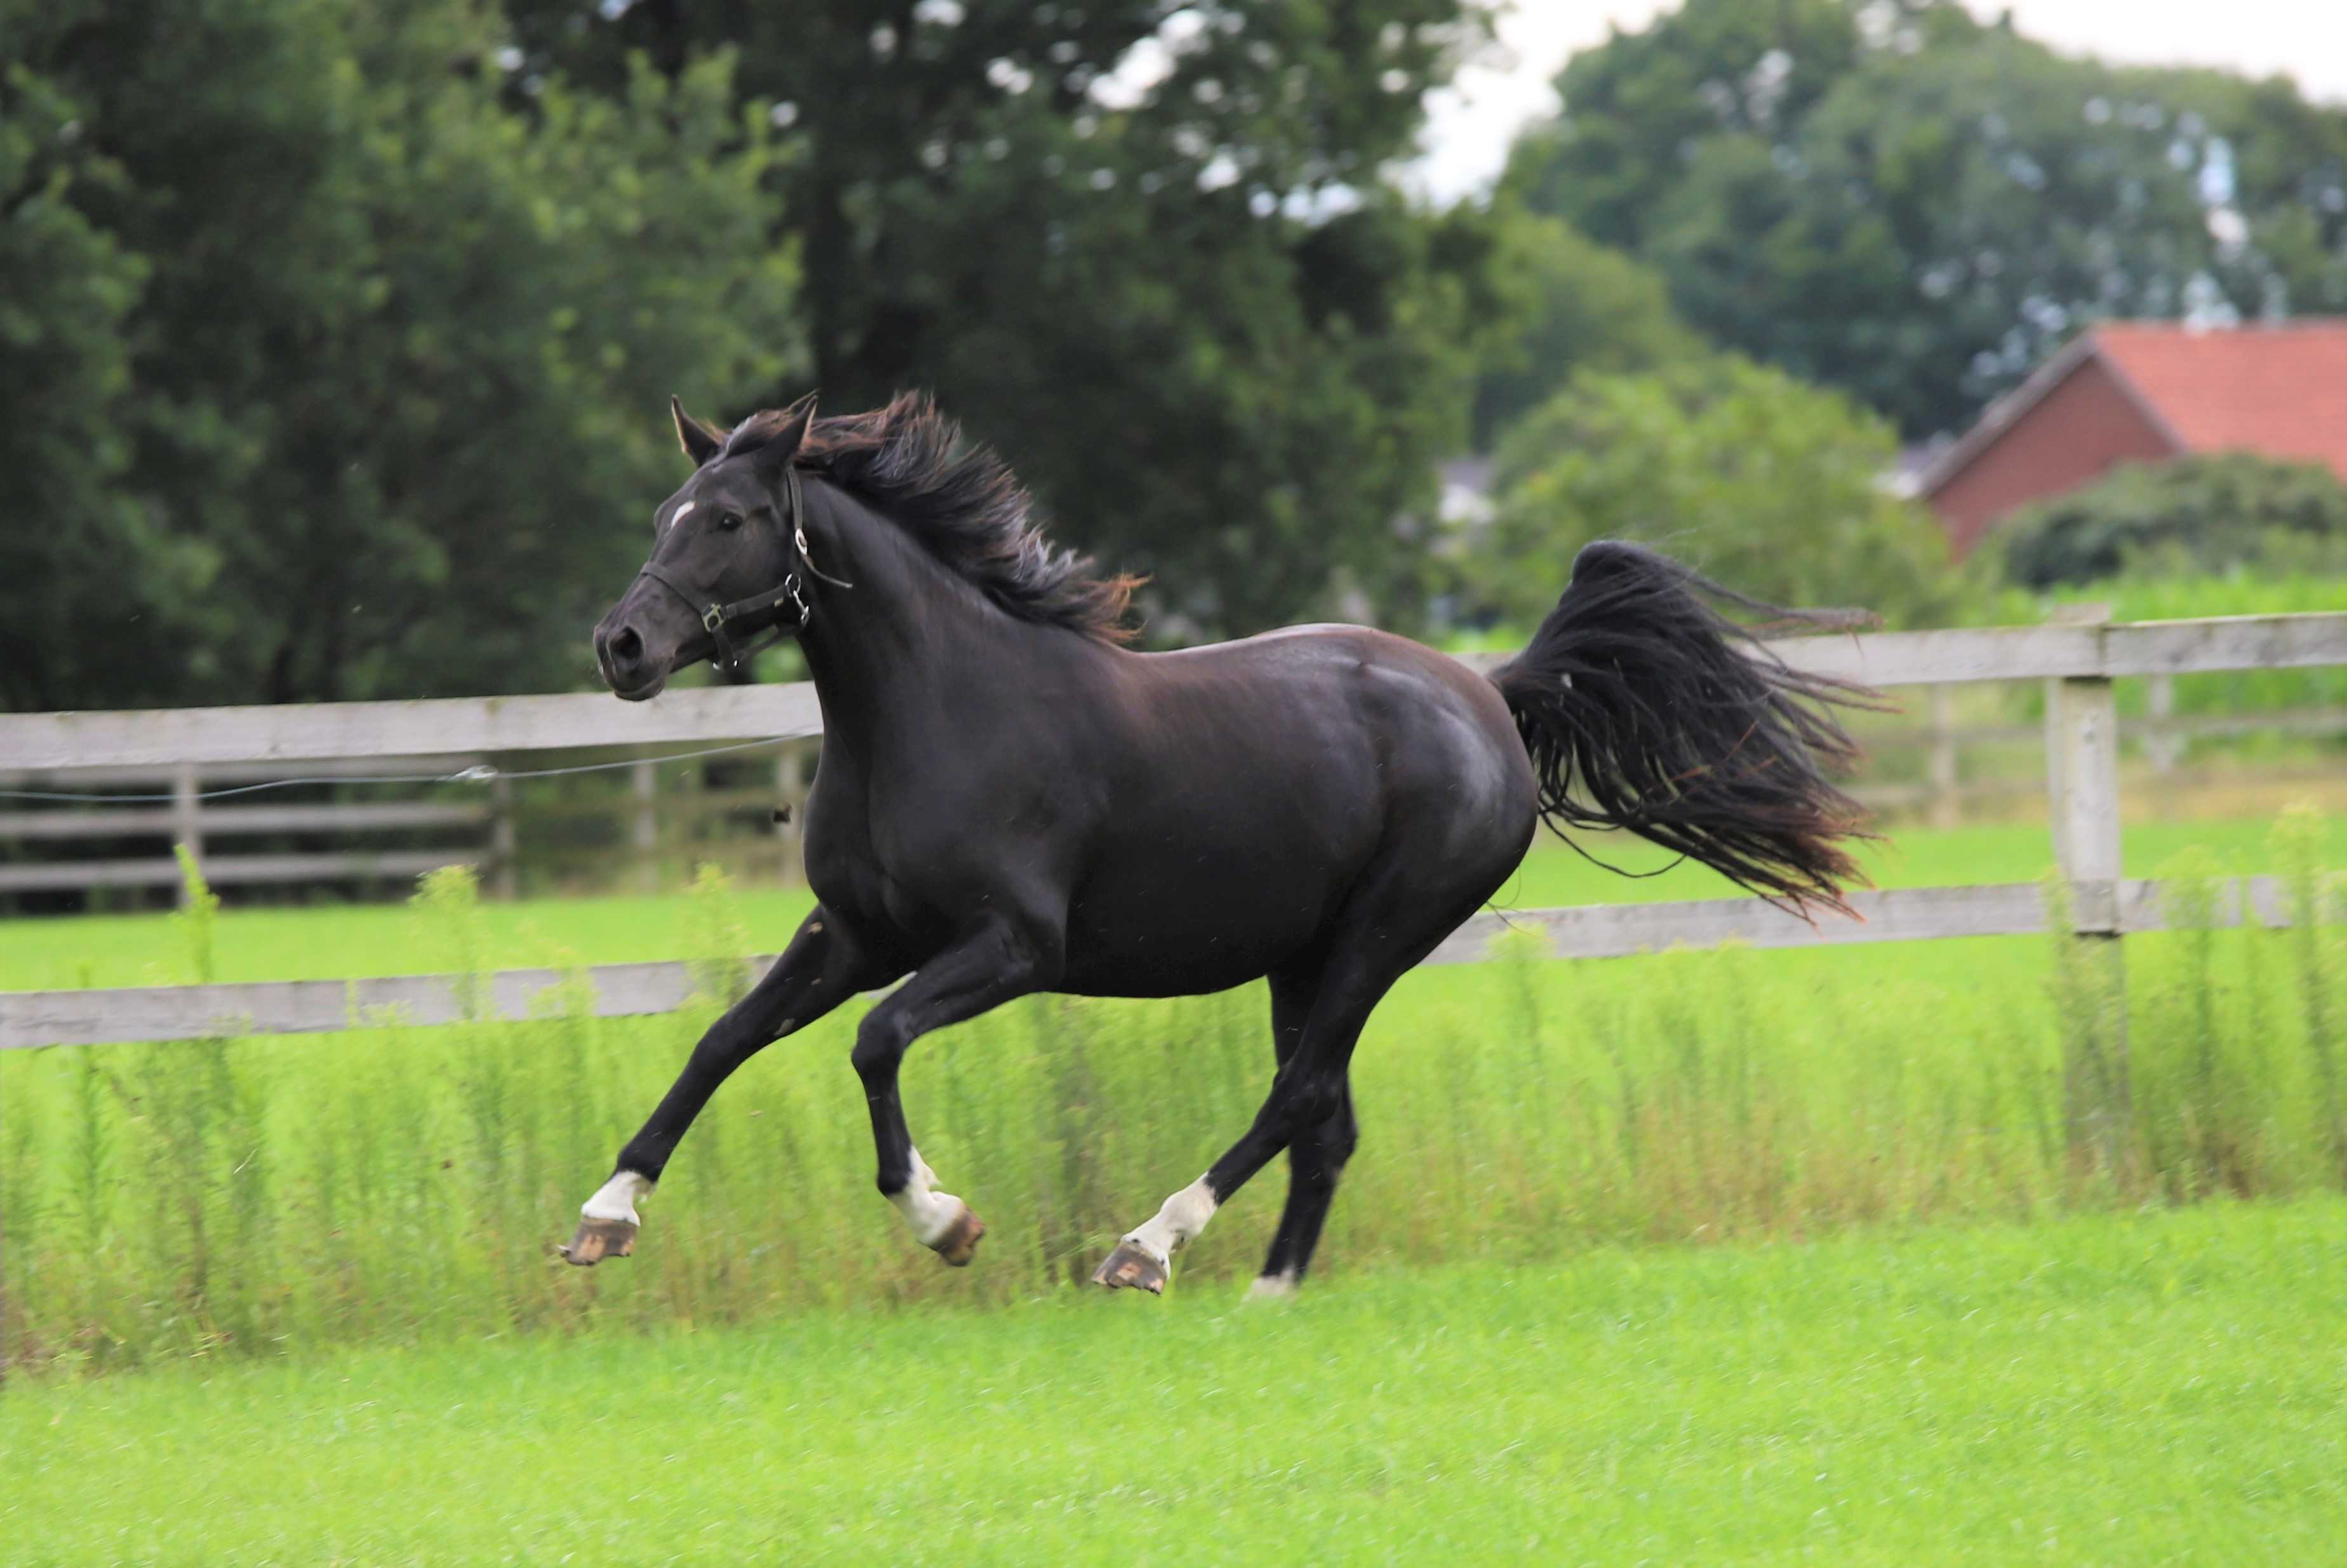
{"x":718,"y":619}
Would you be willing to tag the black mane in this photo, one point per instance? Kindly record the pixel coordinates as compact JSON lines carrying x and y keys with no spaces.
{"x":967,"y":509}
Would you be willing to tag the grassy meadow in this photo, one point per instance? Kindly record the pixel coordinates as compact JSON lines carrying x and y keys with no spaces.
{"x":246,"y":1197}
{"x":2161,"y":1387}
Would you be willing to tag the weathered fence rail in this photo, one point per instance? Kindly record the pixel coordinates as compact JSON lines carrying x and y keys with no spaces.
{"x":305,"y":733}
{"x":183,"y":751}
{"x":646,"y":825}
{"x":38,"y":1018}
{"x":2079,"y":663}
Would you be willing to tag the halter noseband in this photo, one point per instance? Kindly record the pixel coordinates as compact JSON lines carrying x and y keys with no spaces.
{"x":717,"y":619}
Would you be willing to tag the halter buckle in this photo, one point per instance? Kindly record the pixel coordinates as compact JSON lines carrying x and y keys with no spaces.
{"x":713,"y":619}
{"x":791,"y":594}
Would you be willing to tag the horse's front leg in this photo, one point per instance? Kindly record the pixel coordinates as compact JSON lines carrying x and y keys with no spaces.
{"x":821,"y":969}
{"x":994,"y":961}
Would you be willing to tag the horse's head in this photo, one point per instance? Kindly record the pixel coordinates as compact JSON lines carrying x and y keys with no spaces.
{"x":725,"y":557}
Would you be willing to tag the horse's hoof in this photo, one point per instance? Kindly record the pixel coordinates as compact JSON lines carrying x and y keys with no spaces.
{"x":959,"y":1243}
{"x":1132,"y":1267}
{"x":597,"y":1239}
{"x":1272,"y":1287}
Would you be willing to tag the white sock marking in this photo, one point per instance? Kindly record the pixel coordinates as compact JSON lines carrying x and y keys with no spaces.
{"x":1272,"y":1287}
{"x":1177,"y":1224}
{"x":616,"y":1198}
{"x":930,"y":1212}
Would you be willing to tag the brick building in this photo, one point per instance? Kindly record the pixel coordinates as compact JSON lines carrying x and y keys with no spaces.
{"x":2141,"y":391}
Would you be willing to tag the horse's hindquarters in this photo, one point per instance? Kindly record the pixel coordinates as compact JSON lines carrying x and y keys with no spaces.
{"x":1287,"y":774}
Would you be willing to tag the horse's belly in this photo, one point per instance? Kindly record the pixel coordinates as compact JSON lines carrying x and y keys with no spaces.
{"x":1180,"y":932}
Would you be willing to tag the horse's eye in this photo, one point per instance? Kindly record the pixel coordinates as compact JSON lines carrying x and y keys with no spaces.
{"x":728,"y":521}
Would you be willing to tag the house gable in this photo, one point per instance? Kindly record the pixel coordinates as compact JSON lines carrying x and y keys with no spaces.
{"x":2145,"y":392}
{"x":2082,"y":422}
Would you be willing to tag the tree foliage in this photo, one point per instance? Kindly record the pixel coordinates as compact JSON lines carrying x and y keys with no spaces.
{"x":1768,"y":486}
{"x":1560,"y":304}
{"x":2193,"y":515}
{"x":335,"y":331}
{"x":1142,"y":249}
{"x":1902,"y":202}
{"x":365,"y":366}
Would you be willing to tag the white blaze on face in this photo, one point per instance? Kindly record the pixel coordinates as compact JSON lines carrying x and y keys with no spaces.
{"x":1177,"y":1224}
{"x":616,"y":1198}
{"x":677,"y":516}
{"x":930,"y":1212}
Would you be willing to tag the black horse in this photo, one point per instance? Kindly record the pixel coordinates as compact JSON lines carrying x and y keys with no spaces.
{"x":1010,"y":801}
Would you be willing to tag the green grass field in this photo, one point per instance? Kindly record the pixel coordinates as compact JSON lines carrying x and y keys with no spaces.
{"x":2161,"y":1388}
{"x":335,"y":941}
{"x":1720,"y":1256}
{"x":235,"y":1197}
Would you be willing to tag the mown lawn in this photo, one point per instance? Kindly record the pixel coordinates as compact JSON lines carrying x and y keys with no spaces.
{"x":2167,"y":1387}
{"x":331,"y":943}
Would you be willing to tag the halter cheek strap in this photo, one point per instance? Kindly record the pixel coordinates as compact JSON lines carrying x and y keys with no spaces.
{"x":719,"y":619}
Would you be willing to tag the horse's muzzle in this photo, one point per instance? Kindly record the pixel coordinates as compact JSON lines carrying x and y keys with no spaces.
{"x":626,"y":662}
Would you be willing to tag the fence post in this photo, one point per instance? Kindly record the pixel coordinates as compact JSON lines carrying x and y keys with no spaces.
{"x":1947,"y":798}
{"x":2082,"y":780}
{"x":645,"y":836}
{"x":187,"y":818}
{"x":505,"y":879}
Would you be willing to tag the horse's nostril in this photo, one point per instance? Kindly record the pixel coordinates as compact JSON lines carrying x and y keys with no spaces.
{"x":627,"y":646}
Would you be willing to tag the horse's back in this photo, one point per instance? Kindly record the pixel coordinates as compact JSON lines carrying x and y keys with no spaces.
{"x":1426,"y":722}
{"x":1259,"y":782}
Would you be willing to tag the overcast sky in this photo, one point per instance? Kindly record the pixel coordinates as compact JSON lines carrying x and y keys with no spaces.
{"x":1469,"y":125}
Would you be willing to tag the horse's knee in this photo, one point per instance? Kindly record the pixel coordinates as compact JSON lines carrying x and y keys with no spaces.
{"x":1313,"y":1104}
{"x":879,"y":1048}
{"x":1339,"y":1136}
{"x":1316,"y":1158}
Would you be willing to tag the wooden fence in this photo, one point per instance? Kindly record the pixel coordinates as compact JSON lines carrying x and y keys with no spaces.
{"x":184,"y":753}
{"x":31,"y":1019}
{"x":2077,"y":661}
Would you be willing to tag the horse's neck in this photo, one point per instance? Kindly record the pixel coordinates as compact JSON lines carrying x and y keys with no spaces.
{"x":908,"y":624}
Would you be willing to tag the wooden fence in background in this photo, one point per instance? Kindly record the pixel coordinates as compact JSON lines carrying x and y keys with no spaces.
{"x":183,"y":752}
{"x":2077,"y":661}
{"x":30,"y":1019}
{"x":653,"y":824}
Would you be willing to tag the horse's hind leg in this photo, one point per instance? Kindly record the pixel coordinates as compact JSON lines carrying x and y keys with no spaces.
{"x":1381,"y":936}
{"x":1308,"y":1093}
{"x":1399,"y":914}
{"x":1315,"y":1156}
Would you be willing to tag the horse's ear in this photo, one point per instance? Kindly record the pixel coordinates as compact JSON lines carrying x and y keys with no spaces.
{"x":699,"y":442}
{"x":774,"y":451}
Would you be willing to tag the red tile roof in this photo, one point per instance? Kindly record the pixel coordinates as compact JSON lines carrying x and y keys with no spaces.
{"x":2280,"y":390}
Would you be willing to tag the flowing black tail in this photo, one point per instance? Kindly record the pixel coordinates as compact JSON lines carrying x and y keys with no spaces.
{"x":1645,"y":708}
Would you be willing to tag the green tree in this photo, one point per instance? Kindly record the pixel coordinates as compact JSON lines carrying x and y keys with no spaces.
{"x":1772,"y":487}
{"x":387,"y":396}
{"x":75,"y":548}
{"x":1559,"y":304}
{"x":1638,"y":108}
{"x":1913,"y":206}
{"x":2193,"y":516}
{"x":1945,"y":220}
{"x":1142,"y":248}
